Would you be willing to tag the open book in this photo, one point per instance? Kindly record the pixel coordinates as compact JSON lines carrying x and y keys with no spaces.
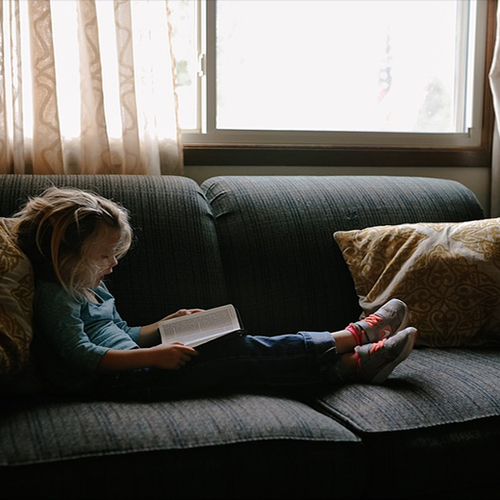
{"x":197,"y":328}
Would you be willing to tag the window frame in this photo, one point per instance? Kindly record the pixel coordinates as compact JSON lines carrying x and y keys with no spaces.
{"x":224,"y":148}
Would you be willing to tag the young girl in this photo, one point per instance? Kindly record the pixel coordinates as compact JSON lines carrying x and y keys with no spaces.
{"x":74,"y":239}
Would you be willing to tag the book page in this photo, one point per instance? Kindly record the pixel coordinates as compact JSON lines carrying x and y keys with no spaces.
{"x":198,"y":328}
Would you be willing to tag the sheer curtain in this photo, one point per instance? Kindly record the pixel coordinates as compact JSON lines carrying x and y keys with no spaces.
{"x":494,"y":78}
{"x":87,"y":86}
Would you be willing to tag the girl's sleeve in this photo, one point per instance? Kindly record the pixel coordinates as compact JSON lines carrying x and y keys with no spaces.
{"x":60,"y":326}
{"x":132,"y":331}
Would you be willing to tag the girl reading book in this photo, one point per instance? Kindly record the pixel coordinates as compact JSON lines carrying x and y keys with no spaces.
{"x":75,"y":238}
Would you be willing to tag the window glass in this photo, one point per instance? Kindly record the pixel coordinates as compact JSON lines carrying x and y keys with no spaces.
{"x":338,"y":66}
{"x":335,"y":72}
{"x":184,"y":24}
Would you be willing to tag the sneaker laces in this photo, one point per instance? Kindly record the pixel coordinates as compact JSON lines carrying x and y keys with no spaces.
{"x":373,"y":320}
{"x":376,"y":346}
{"x":358,"y":331}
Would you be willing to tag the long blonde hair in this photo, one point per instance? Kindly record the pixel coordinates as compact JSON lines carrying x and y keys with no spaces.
{"x":58,"y":229}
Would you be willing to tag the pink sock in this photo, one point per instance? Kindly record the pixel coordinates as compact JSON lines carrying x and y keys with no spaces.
{"x":356,"y":334}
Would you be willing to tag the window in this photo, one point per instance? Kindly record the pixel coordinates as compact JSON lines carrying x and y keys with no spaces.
{"x":341,"y":66}
{"x":333,"y":72}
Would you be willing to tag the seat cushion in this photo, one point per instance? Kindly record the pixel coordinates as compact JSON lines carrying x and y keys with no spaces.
{"x":108,"y":428}
{"x":434,"y":424}
{"x":224,"y":446}
{"x":432,"y":388}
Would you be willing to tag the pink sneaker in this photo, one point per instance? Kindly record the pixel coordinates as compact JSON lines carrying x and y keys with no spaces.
{"x":388,"y":320}
{"x":376,"y":361}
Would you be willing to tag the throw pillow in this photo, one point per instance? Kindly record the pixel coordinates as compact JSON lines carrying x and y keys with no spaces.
{"x":16,"y":304}
{"x":447,"y":273}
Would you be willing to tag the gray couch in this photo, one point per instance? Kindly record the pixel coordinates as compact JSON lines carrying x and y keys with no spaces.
{"x":264,"y":244}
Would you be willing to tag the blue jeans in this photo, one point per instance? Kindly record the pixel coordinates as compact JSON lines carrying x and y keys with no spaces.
{"x":292,"y":361}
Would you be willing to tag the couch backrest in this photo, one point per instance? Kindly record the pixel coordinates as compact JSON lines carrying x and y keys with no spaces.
{"x":270,"y":250}
{"x":175,"y":261}
{"x":284,"y":271}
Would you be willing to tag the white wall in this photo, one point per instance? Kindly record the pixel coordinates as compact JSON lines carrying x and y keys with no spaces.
{"x":476,"y":179}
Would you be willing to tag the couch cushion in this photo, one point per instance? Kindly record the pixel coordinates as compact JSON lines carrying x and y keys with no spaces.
{"x":434,"y":424}
{"x":448,"y":274}
{"x":174,"y":261}
{"x":110,"y":428}
{"x":432,"y":388}
{"x":16,"y":305}
{"x":284,"y":271}
{"x":220,"y":447}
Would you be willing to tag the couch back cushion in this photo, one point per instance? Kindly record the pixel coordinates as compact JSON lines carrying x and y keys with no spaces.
{"x":284,"y":270}
{"x":174,"y":261}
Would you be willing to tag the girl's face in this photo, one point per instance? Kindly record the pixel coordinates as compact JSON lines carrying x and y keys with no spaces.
{"x":103,"y":255}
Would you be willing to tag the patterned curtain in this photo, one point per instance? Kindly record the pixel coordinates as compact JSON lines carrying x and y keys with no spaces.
{"x":87,"y":86}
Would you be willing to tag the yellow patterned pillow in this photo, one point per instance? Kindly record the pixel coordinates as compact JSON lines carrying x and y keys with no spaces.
{"x":16,"y":304}
{"x":447,"y":273}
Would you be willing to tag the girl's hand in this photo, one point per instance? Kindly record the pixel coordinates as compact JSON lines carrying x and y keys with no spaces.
{"x":171,"y":356}
{"x":182,"y":312}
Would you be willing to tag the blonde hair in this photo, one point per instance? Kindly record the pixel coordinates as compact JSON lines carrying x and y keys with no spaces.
{"x":58,"y":229}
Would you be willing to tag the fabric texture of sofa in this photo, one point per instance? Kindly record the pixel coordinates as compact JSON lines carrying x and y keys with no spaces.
{"x":266,"y":245}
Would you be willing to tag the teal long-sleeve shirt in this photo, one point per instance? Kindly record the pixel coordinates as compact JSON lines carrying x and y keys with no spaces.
{"x":73,"y":334}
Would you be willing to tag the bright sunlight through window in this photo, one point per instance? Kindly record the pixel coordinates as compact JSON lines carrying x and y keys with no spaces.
{"x":359,"y":66}
{"x":338,"y":66}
